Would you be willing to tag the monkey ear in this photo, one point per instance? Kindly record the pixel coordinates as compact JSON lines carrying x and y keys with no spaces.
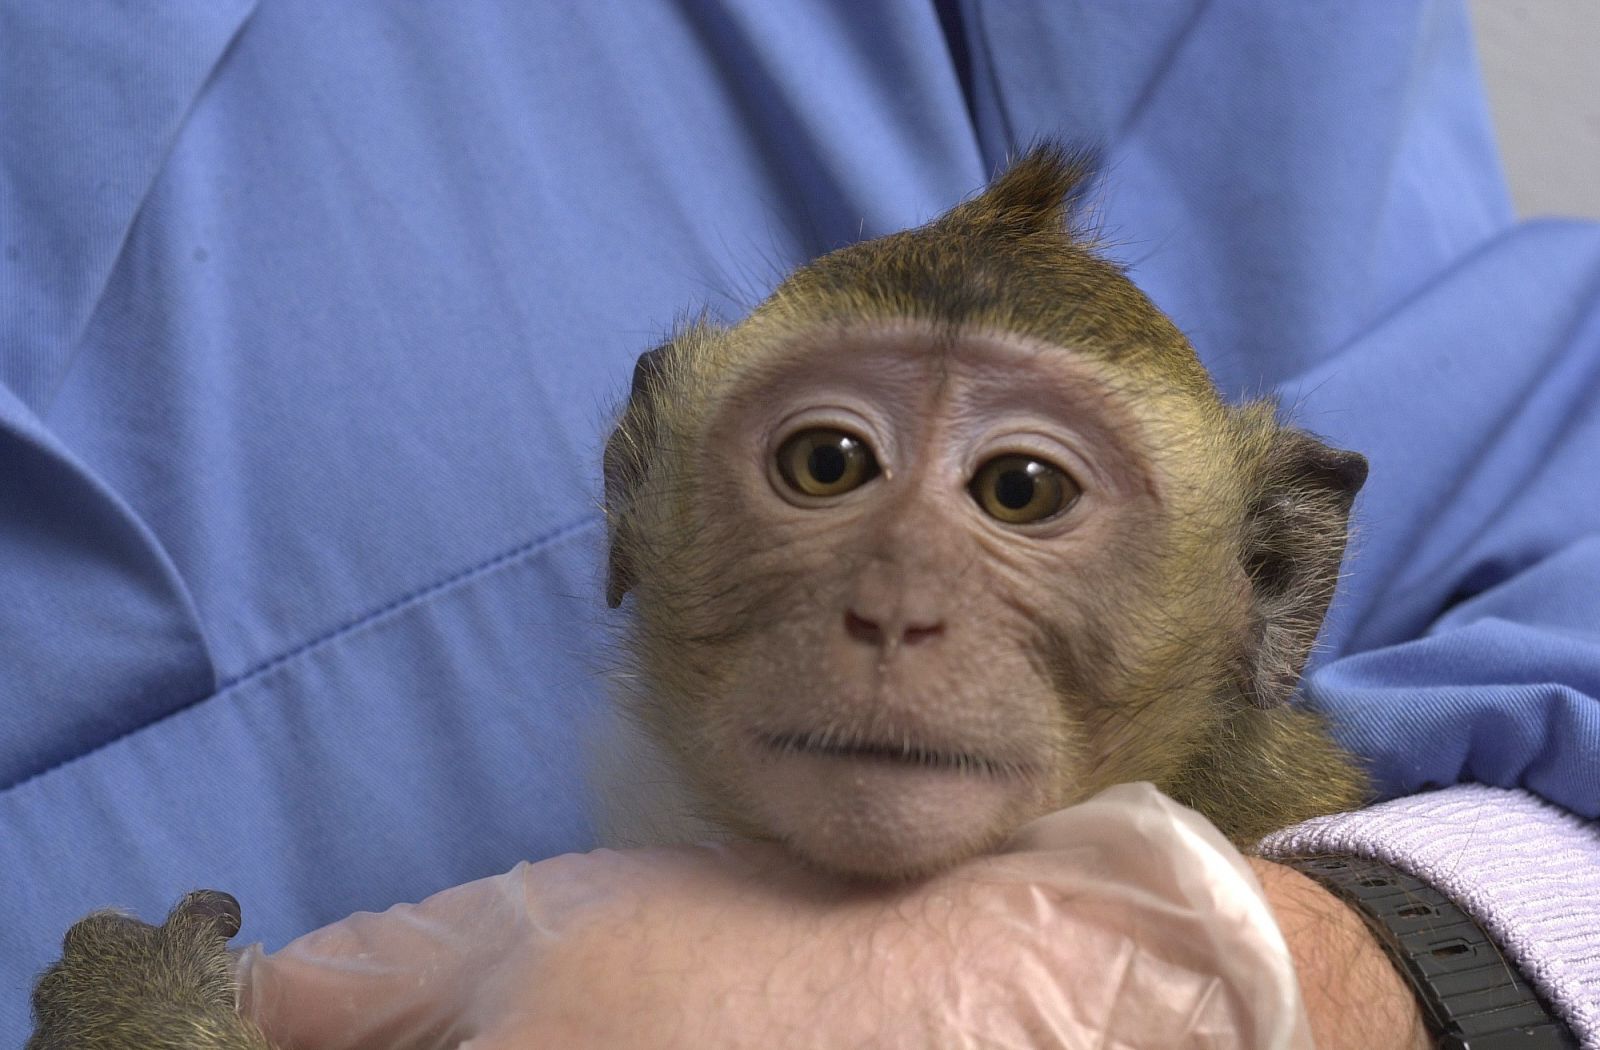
{"x":1294,"y":542}
{"x":1038,"y":192}
{"x":626,"y":466}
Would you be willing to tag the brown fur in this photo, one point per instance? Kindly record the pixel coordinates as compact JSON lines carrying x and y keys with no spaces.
{"x":123,"y":984}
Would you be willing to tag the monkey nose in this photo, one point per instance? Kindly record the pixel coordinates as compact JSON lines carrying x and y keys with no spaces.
{"x":875,"y":633}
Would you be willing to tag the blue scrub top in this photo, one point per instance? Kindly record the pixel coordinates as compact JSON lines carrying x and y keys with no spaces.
{"x":313,"y":316}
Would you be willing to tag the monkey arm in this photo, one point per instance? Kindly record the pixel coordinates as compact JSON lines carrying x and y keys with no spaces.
{"x":122,"y":984}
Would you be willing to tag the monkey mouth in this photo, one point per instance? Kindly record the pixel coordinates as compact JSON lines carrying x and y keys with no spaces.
{"x":879,"y":802}
{"x":906,"y":752}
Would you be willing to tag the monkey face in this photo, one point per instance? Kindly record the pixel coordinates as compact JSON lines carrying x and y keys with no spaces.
{"x":955,"y":529}
{"x":902,"y":555}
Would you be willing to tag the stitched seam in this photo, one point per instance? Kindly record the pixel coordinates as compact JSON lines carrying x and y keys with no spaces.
{"x":411,"y":599}
{"x":418,"y":596}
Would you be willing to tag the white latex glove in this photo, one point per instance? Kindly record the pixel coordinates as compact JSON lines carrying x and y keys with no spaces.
{"x":1125,"y":922}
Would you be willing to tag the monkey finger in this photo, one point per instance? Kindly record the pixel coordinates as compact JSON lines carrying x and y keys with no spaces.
{"x":93,"y":931}
{"x":214,"y":908}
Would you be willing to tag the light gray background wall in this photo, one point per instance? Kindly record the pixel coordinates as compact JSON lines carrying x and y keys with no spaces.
{"x":1541,"y":61}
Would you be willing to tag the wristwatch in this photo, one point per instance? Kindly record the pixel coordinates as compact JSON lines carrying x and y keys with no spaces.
{"x":1472,"y":997}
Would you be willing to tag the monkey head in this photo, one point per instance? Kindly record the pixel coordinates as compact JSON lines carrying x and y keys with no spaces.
{"x":954,"y":530}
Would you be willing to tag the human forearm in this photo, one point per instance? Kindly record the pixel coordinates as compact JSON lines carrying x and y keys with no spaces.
{"x":1354,"y":997}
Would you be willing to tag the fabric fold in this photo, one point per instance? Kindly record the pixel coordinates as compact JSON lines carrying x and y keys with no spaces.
{"x":98,"y":634}
{"x":93,"y":101}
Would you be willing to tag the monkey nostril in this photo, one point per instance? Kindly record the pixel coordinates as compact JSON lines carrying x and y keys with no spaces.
{"x":862,"y":629}
{"x":871,"y":632}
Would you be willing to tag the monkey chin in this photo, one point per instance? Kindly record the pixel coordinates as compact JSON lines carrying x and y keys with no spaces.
{"x":878,"y":817}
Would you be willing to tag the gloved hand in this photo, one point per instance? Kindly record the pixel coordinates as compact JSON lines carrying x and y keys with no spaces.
{"x":1127,"y":921}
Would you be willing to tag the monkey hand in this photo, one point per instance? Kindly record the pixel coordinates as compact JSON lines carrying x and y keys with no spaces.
{"x":1126,"y":921}
{"x":122,"y":984}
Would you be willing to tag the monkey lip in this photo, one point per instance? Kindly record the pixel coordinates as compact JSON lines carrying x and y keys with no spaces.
{"x":907,"y":753}
{"x":881,"y":806}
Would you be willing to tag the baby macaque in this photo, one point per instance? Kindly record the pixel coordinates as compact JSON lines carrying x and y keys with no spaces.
{"x":953,"y":531}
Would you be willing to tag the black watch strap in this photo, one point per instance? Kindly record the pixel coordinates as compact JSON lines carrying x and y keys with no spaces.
{"x":1473,"y":998}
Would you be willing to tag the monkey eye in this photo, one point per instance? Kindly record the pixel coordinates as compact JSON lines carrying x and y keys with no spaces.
{"x":825,"y":462}
{"x":1020,"y":490}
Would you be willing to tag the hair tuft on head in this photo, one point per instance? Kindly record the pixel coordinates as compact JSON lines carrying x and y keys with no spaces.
{"x":1039,"y":191}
